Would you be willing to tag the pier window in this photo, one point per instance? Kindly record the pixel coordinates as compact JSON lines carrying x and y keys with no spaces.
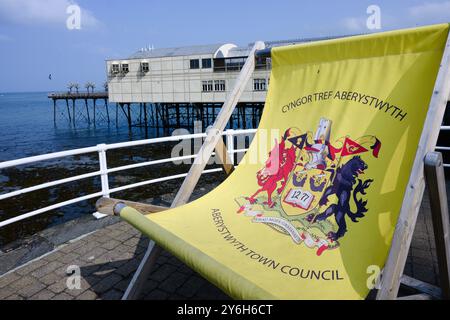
{"x":195,"y":64}
{"x":219,"y":65}
{"x":206,"y":63}
{"x":145,"y":67}
{"x":115,"y":68}
{"x":125,"y":68}
{"x":219,"y":85}
{"x":234,"y":64}
{"x":229,"y":64}
{"x":207,"y":86}
{"x":259,"y":84}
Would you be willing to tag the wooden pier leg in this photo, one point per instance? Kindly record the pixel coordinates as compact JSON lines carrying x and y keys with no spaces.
{"x":167,"y":115}
{"x":87,"y":110}
{"x":145,"y":115}
{"x":178,"y":114}
{"x":194,"y":114}
{"x":117,"y":114}
{"x":107,"y":109}
{"x":129,"y":115}
{"x":238,"y":110}
{"x":202,"y":115}
{"x":164,"y":118}
{"x":95,"y":100}
{"x":152,"y":114}
{"x":162,"y":115}
{"x":156,"y":117}
{"x":166,"y":129}
{"x":68,"y":110}
{"x":73,"y":111}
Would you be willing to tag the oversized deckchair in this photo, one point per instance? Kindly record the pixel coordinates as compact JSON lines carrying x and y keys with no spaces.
{"x":329,"y":190}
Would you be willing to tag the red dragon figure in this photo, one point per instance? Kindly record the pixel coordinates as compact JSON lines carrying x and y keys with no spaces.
{"x":277,"y":168}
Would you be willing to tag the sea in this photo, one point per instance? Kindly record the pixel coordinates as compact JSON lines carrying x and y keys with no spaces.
{"x":27,"y":128}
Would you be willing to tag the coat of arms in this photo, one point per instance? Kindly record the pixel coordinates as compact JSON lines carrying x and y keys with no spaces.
{"x":308,"y":186}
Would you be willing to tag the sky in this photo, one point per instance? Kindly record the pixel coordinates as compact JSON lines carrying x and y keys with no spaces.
{"x":35,"y":40}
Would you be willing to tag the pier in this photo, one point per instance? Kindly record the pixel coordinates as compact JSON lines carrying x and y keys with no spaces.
{"x":71,"y":111}
{"x":153,"y":115}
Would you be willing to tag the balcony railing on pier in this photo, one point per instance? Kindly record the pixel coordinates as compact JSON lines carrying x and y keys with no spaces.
{"x":78,"y":95}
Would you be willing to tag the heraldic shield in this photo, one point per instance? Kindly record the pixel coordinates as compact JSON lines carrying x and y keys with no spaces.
{"x":310,"y":186}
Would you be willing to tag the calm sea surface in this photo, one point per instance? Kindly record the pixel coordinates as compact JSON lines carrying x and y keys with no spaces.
{"x":27,"y":129}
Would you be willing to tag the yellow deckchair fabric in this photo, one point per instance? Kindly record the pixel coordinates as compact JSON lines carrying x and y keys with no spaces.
{"x":348,"y":115}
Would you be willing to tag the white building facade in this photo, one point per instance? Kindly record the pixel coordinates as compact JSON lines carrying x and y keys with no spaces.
{"x":197,"y":75}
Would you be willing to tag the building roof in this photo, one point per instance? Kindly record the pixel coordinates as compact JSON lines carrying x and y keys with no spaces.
{"x":245,"y":51}
{"x":178,"y":51}
{"x":233,"y":51}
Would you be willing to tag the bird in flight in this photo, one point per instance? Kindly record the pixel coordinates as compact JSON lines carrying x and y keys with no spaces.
{"x":50,"y":76}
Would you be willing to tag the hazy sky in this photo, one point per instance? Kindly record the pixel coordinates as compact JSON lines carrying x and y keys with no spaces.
{"x":35,"y":41}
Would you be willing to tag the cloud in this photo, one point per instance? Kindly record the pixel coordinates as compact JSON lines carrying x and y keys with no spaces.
{"x":354,"y":24}
{"x":431,"y":12}
{"x":42,"y":12}
{"x":426,"y":13}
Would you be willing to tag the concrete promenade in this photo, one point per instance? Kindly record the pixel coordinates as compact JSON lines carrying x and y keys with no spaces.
{"x":109,"y":256}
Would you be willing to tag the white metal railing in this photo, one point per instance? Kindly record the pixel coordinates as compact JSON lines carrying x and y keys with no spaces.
{"x":104,"y":171}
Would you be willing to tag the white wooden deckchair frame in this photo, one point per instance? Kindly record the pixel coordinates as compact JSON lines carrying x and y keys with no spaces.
{"x":425,"y":159}
{"x":416,"y":186}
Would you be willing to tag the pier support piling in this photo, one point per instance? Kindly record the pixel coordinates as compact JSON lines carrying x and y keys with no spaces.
{"x":87,"y":111}
{"x":164,"y":116}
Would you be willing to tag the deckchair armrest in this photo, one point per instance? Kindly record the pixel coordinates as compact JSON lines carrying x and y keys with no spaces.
{"x":106,"y":206}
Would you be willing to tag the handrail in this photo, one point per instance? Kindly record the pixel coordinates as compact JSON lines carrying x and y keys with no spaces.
{"x":48,"y":184}
{"x":74,"y":152}
{"x":49,"y":156}
{"x":104,"y":170}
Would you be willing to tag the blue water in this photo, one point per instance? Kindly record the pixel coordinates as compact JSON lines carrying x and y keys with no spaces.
{"x":27,"y":128}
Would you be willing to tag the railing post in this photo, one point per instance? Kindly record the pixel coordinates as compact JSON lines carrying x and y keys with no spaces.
{"x":230,"y":144}
{"x":103,"y":169}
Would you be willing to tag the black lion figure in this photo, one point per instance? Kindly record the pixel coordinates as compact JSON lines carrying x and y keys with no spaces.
{"x":346,"y":177}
